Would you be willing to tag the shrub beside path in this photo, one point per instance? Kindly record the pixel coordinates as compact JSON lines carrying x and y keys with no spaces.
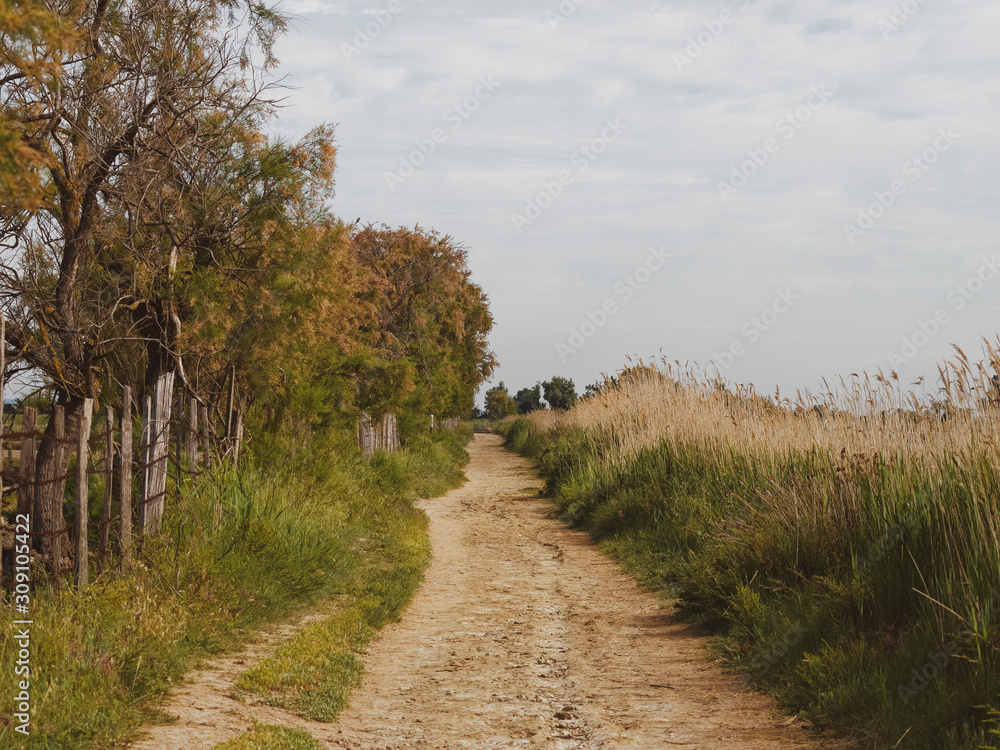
{"x":523,"y":635}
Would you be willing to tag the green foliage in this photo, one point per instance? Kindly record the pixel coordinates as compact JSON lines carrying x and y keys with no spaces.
{"x":499,"y":404}
{"x":529,"y":399}
{"x":34,"y":38}
{"x":823,"y":612}
{"x":428,"y":326}
{"x":271,"y":738}
{"x":40,"y":399}
{"x":314,"y":674}
{"x":520,"y":437}
{"x":560,"y":393}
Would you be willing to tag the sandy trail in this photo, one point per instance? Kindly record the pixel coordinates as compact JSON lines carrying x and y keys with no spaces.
{"x":522,"y":636}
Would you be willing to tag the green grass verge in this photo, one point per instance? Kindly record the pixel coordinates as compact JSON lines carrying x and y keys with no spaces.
{"x":823,"y":612}
{"x":303,"y":520}
{"x":314,"y":674}
{"x":271,"y":738}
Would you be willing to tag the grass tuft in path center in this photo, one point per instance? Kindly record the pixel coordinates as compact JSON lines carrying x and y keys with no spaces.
{"x":271,"y":738}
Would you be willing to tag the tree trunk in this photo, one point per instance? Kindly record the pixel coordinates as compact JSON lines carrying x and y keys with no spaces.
{"x":51,"y":463}
{"x":125,"y":481}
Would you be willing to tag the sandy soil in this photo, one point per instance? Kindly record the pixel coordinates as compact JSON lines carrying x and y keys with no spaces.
{"x":522,"y":636}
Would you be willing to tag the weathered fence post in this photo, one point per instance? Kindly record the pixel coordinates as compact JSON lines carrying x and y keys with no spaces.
{"x":180,"y":435}
{"x":238,"y":437}
{"x":54,"y":545}
{"x":206,"y":439}
{"x":192,"y":438}
{"x":26,"y":485}
{"x":231,"y":404}
{"x":366,"y":436}
{"x":156,"y":471}
{"x":81,"y":572}
{"x":109,"y":482}
{"x":145,"y":449}
{"x":125,"y":481}
{"x":388,"y":439}
{"x":382,"y":436}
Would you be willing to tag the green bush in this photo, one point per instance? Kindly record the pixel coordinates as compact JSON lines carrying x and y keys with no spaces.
{"x":271,"y":738}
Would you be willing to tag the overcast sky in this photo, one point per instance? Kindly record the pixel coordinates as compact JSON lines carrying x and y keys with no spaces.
{"x":792,"y":190}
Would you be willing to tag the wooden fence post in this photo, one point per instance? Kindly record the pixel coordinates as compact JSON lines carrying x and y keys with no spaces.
{"x":238,"y":437}
{"x":231,"y":404}
{"x":125,"y":480}
{"x":145,"y":449}
{"x":206,"y":439}
{"x":366,"y":436}
{"x":109,"y":482}
{"x":180,"y":435}
{"x":155,"y":484}
{"x":81,"y":573}
{"x":192,"y":438}
{"x":26,"y":488}
{"x":55,"y":542}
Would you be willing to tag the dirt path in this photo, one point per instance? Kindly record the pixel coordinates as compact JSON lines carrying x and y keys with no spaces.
{"x":522,"y":636}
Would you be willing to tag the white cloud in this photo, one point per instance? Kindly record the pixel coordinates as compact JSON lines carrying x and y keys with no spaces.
{"x":656,"y":185}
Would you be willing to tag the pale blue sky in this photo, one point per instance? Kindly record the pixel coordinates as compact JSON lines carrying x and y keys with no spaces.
{"x":818,"y":106}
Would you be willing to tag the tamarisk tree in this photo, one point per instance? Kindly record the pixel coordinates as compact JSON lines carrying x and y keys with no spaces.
{"x":430,"y":324}
{"x":110,"y":120}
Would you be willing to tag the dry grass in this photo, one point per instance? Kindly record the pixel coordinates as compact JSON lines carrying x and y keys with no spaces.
{"x":864,"y":415}
{"x":843,"y":540}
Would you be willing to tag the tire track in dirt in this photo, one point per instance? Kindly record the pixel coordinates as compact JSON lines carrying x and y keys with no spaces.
{"x":523,"y":635}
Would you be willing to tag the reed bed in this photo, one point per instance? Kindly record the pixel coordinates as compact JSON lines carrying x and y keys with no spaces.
{"x":842,"y":545}
{"x":650,"y":403}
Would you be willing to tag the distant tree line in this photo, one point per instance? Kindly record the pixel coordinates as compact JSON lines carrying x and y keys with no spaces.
{"x":558,"y":393}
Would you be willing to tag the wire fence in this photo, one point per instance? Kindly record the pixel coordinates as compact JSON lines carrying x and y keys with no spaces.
{"x":126,"y":459}
{"x":123,"y":462}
